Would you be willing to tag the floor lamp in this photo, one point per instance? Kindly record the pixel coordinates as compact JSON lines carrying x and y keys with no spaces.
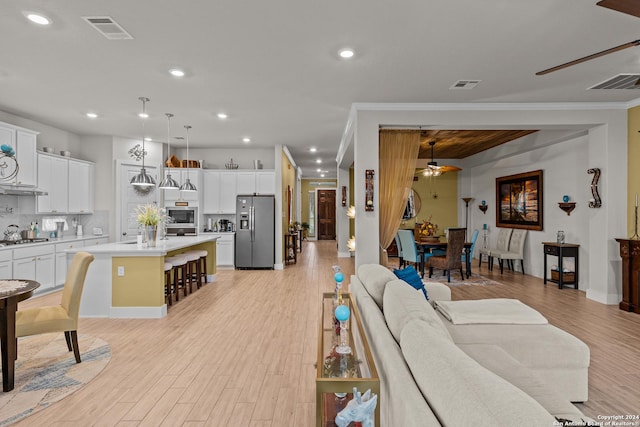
{"x":466,"y":215}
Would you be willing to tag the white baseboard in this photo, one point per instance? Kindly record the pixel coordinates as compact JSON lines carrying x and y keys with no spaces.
{"x":138,"y":312}
{"x":344,"y":254}
{"x":601,"y":297}
{"x":278,"y":266}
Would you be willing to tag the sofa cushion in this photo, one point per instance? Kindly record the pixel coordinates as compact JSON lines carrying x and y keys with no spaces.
{"x":403,"y":303}
{"x":374,"y":277}
{"x":460,"y":391}
{"x":411,"y":276}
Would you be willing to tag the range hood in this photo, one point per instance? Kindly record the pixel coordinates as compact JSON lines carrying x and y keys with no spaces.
{"x":17,"y":190}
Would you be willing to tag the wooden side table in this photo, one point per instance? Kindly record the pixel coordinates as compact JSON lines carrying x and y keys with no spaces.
{"x":291,"y":248}
{"x":561,"y":250}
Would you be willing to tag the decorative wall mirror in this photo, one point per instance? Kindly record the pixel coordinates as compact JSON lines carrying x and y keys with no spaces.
{"x":413,"y":206}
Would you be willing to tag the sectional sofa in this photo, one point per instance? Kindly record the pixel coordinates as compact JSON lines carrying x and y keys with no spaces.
{"x":434,"y":373}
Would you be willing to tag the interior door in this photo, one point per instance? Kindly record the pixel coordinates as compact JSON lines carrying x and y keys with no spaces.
{"x":326,"y":213}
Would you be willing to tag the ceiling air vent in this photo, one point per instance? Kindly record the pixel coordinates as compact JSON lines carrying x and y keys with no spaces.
{"x":108,"y":27}
{"x":465,"y":84}
{"x":621,"y":81}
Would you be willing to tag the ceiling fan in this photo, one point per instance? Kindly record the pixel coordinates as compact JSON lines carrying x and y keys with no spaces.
{"x":624,"y":6}
{"x":432,"y":168}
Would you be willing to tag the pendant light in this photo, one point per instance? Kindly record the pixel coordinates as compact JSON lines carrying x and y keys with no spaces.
{"x":143,"y":179}
{"x":188,"y":186}
{"x":168,"y":182}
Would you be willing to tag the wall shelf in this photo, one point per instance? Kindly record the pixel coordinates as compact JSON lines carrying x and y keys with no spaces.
{"x":567,"y":207}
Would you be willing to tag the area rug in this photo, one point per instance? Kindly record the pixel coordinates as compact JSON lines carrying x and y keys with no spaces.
{"x":47,"y":372}
{"x":475,"y":279}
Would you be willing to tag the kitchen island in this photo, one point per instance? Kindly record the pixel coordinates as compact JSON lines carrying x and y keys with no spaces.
{"x":127,"y":281}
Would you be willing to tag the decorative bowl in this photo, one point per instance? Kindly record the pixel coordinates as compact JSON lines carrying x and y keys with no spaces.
{"x":47,"y":149}
{"x":65,"y":153}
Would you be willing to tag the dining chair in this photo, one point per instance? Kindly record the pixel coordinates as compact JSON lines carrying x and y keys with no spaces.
{"x":474,"y":237}
{"x":452,"y":260}
{"x":399,"y":246}
{"x":410,"y":251}
{"x":63,"y":317}
{"x":502,"y":245}
{"x":515,"y":252}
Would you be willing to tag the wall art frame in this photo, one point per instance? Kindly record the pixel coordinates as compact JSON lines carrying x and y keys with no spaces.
{"x":519,"y":201}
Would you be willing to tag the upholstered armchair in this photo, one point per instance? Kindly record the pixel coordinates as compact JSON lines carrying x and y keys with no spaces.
{"x":452,"y":260}
{"x":63,"y":317}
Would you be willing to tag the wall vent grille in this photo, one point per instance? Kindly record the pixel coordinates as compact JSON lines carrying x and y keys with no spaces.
{"x":621,"y":81}
{"x":465,"y":84}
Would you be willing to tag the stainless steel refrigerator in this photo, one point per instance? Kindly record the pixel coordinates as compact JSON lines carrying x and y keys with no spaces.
{"x":255,"y":231}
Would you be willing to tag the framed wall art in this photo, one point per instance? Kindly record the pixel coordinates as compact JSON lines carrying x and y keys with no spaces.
{"x":519,"y":201}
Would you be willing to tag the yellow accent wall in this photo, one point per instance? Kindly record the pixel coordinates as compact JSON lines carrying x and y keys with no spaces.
{"x":352,"y":201}
{"x":288,"y":182}
{"x":306,"y":187}
{"x":443,"y":210}
{"x":633,"y":171}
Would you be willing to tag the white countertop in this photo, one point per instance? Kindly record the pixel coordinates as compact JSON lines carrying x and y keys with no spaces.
{"x":131,"y":248}
{"x":70,"y":238}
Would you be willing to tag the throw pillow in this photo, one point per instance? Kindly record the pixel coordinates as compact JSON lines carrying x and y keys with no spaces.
{"x":411,"y":276}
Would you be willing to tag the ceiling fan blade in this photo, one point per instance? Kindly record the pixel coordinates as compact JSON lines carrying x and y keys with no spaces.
{"x":589,"y":58}
{"x":449,"y":168}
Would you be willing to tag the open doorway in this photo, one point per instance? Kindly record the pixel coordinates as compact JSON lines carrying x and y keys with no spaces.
{"x":326,"y":214}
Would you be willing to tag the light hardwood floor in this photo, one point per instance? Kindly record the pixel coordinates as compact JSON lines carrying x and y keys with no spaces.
{"x":240,"y":351}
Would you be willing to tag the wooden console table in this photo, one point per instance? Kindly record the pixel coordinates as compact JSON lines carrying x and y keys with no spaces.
{"x":630,"y":254}
{"x":561,"y":250}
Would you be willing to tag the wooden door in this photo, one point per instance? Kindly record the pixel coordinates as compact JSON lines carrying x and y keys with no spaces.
{"x":326,"y":214}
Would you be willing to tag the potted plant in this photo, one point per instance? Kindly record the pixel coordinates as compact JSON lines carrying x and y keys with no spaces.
{"x":305,"y":229}
{"x":149,"y":216}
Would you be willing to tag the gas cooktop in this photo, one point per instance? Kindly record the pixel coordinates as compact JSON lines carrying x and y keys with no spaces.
{"x":22,"y":241}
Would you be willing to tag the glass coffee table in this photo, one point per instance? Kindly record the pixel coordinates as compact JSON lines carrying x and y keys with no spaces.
{"x":337,"y":373}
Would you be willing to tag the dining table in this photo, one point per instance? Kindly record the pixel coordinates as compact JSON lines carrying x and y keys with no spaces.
{"x":424,"y":247}
{"x":12,"y":291}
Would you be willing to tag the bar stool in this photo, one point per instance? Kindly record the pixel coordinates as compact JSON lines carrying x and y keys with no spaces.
{"x":202,"y":254}
{"x":167,"y":282}
{"x":179,"y":264}
{"x":193,"y":267}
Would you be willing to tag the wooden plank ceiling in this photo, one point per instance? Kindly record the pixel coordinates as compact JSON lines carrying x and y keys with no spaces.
{"x":458,"y":144}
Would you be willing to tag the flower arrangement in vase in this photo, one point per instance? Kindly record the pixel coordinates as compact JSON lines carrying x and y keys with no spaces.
{"x":428,"y":231}
{"x":149,"y":216}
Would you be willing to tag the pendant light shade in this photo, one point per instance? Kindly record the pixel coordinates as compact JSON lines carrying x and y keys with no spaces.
{"x":168,"y":182}
{"x":143,"y":179}
{"x":188,"y":186}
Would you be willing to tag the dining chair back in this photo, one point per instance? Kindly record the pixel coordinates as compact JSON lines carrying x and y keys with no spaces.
{"x":409,"y":248}
{"x":452,"y":260}
{"x":63,"y":317}
{"x":502,"y":245}
{"x":515,"y":252}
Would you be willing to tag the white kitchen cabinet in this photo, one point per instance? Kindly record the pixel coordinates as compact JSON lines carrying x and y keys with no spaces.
{"x":180,"y":175}
{"x":53,"y":177}
{"x":225,"y":249}
{"x":219,"y":192}
{"x":68,"y":182}
{"x":265,"y":182}
{"x":23,"y":142}
{"x":246,"y":182}
{"x":62,"y":262}
{"x":6,"y":263}
{"x":35,"y":263}
{"x":80,"y":187}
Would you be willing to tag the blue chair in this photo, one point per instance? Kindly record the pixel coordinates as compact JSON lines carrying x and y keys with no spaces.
{"x":410,"y":251}
{"x":473,"y":245}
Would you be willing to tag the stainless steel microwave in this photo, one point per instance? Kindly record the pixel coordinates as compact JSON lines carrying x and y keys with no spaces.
{"x":184,"y":220}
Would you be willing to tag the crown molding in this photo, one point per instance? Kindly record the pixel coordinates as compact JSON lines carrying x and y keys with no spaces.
{"x":491,"y":106}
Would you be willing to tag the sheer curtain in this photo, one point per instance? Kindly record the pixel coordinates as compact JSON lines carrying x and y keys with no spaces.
{"x":398,"y":153}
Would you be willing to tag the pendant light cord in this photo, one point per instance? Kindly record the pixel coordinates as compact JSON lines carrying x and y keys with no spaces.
{"x":187,"y":127}
{"x":144,"y":118}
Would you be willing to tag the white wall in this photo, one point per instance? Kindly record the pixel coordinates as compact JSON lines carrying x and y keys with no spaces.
{"x":602,"y":142}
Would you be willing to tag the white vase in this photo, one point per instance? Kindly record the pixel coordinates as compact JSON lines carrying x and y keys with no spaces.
{"x":151,"y":232}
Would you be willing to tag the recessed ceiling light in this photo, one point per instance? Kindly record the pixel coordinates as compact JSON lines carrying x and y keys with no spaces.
{"x":246,"y":140}
{"x":222,"y":116}
{"x":92,"y":115}
{"x":313,"y":149}
{"x":346,"y":53}
{"x":321,"y":175}
{"x":319,"y":161}
{"x":143,"y":115}
{"x":176,"y":72}
{"x":318,"y":170}
{"x":37,"y":18}
{"x":148,"y":139}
